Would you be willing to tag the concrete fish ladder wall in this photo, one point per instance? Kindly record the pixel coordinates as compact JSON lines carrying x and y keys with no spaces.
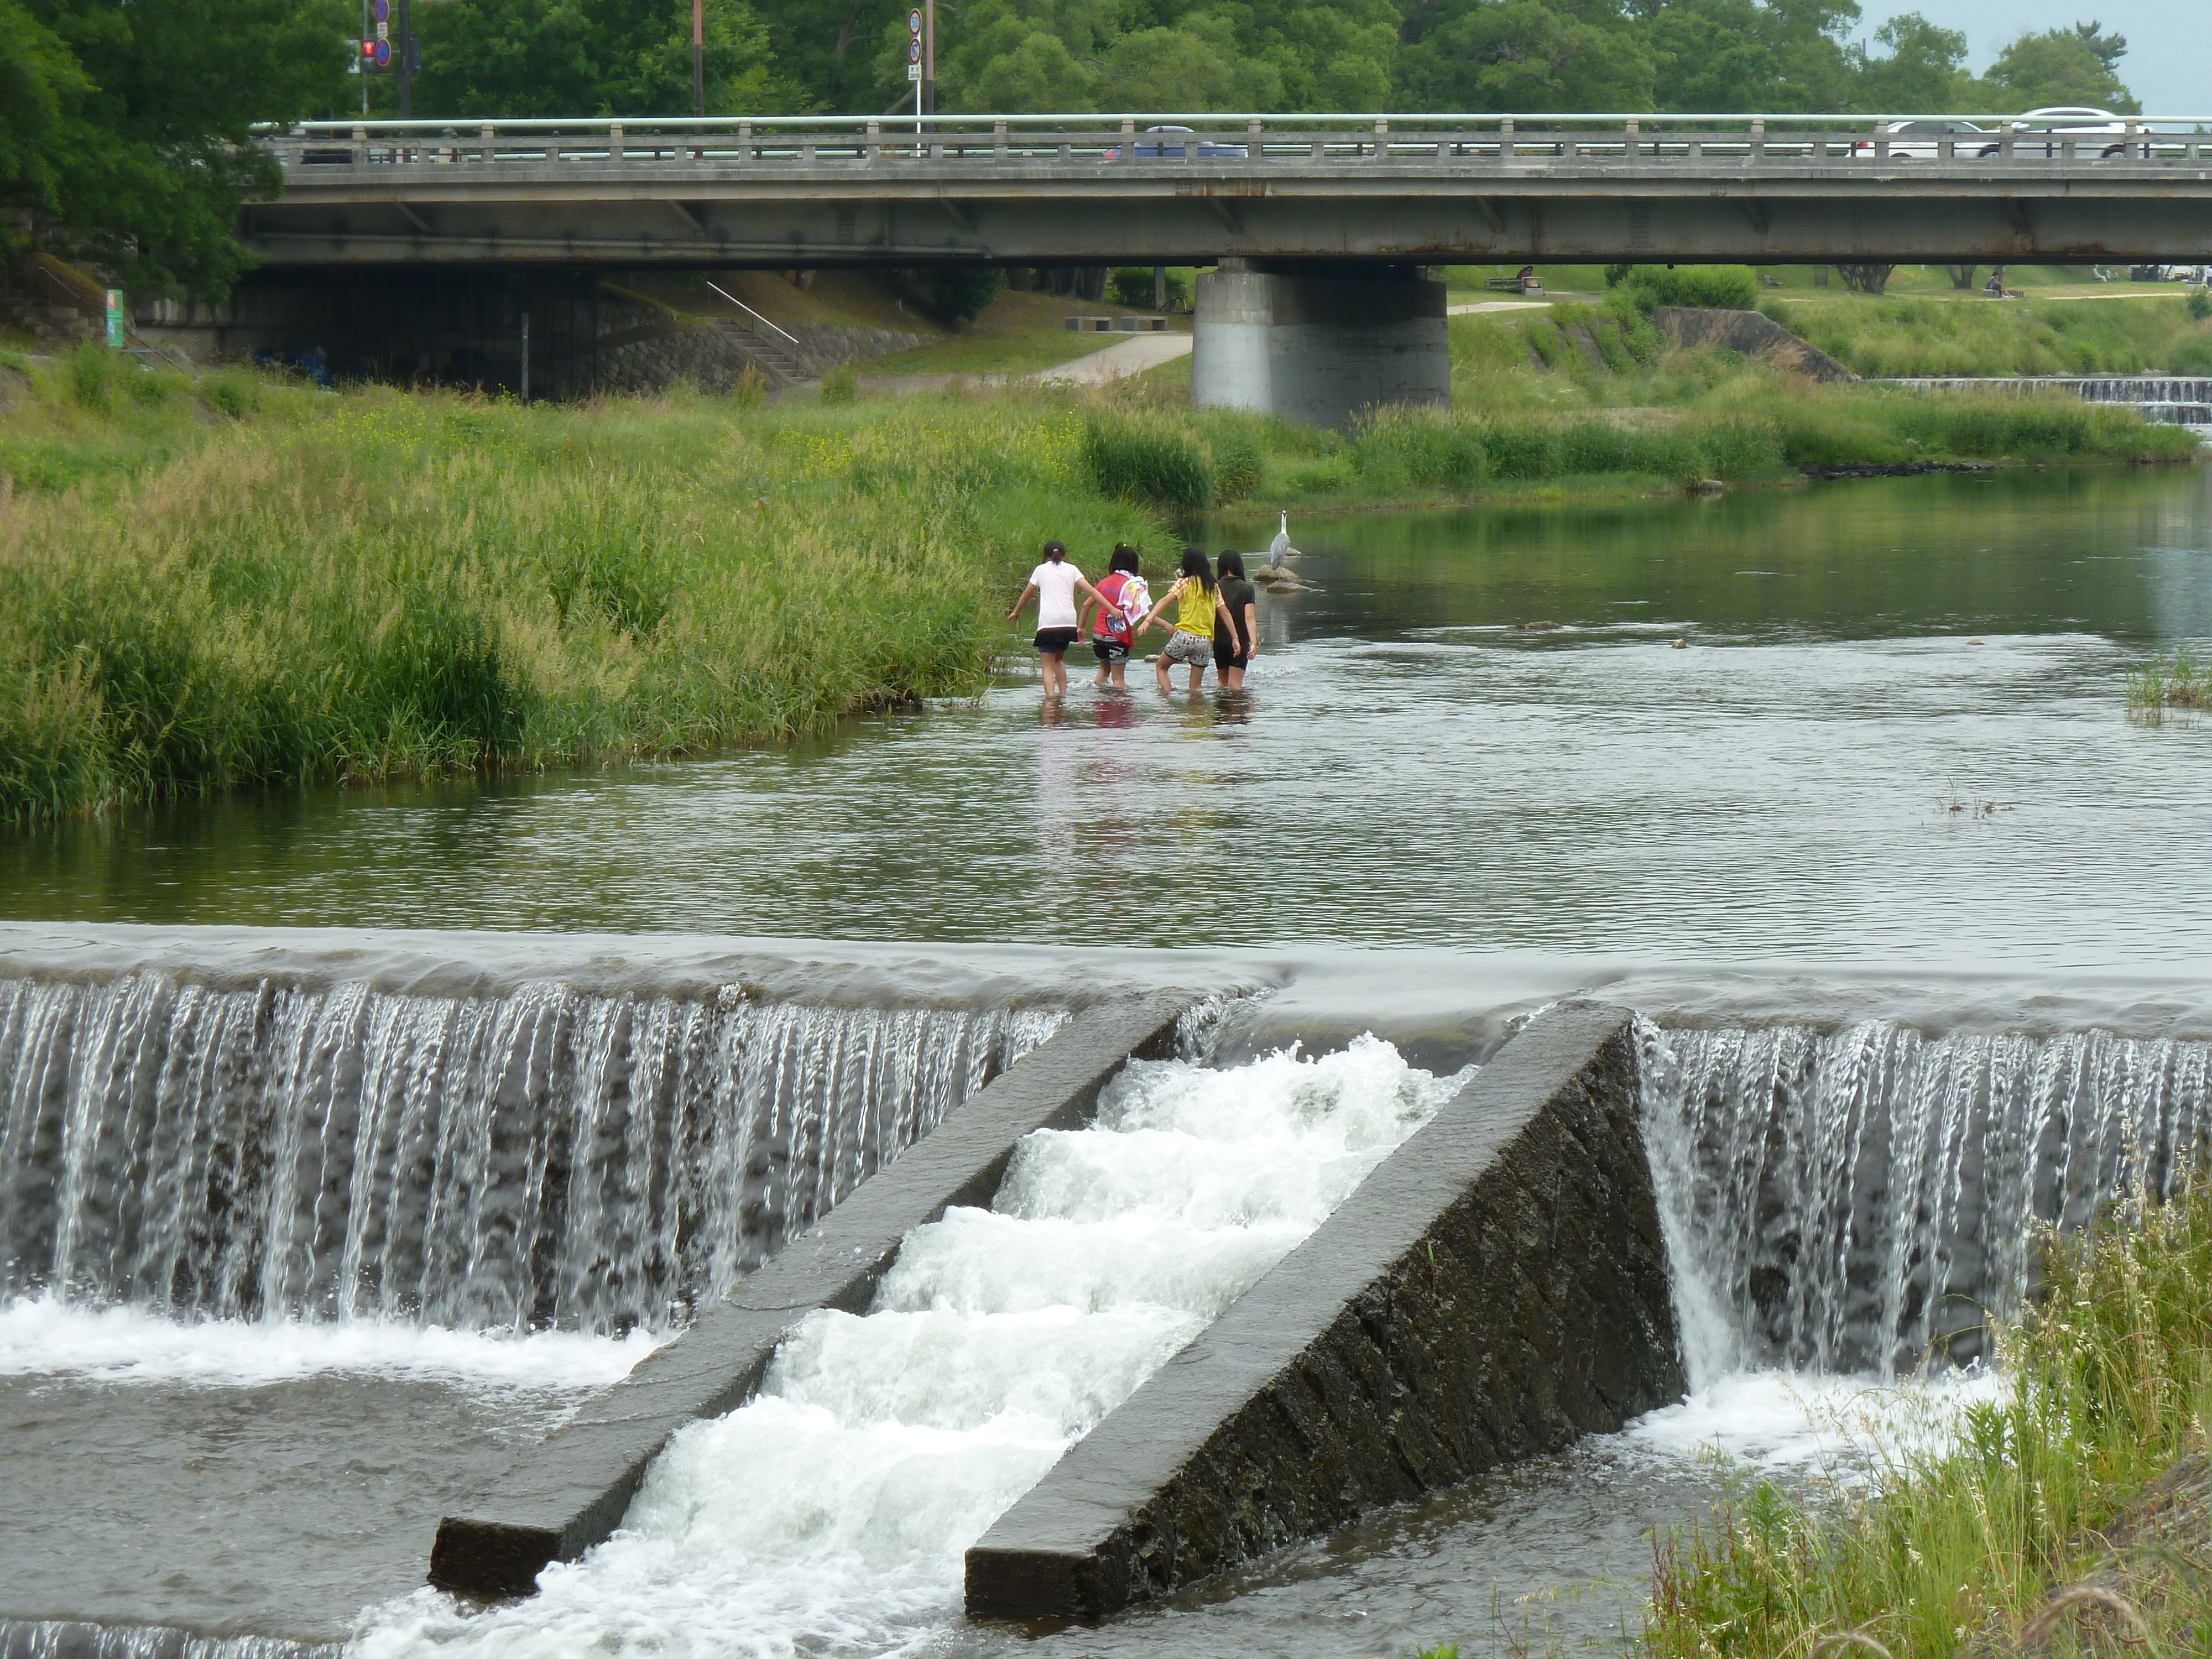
{"x":569,"y":1492}
{"x":1497,"y":1287}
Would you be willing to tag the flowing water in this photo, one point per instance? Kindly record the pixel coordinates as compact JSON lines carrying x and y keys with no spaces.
{"x":540,"y":1159}
{"x":1410,"y":767}
{"x":300,"y":1257}
{"x":832,"y":1512}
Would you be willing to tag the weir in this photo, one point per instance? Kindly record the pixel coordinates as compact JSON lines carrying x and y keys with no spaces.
{"x":1495,"y":1288}
{"x":571,"y":1492}
{"x":1860,"y":1200}
{"x":542,"y":1158}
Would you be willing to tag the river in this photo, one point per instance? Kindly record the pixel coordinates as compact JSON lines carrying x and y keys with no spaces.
{"x":1783,"y":770}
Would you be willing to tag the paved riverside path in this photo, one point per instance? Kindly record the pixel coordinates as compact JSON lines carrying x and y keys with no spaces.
{"x":1142,"y":351}
{"x":1118,"y":361}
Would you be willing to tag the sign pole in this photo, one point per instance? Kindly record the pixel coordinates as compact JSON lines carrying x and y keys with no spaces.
{"x":914,"y":67}
{"x":929,"y":56}
{"x":406,"y":64}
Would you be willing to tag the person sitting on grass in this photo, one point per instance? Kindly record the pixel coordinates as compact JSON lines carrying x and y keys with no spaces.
{"x":1198,"y":608}
{"x":1055,"y":582}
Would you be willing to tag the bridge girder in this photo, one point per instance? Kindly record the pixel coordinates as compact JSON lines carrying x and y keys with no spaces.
{"x":906,"y":212}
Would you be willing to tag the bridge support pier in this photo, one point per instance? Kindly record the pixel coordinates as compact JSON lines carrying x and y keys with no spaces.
{"x":1316,"y":342}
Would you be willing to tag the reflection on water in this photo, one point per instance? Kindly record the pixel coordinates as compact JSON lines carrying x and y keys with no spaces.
{"x":1409,"y":765}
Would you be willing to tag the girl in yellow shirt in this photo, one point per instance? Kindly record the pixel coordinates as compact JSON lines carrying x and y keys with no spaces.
{"x":1198,"y":605}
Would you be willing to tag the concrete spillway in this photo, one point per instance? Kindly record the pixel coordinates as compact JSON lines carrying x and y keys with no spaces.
{"x":1495,"y":1288}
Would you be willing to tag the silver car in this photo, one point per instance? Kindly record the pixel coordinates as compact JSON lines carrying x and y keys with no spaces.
{"x":1921,"y":141}
{"x":2044,"y":132}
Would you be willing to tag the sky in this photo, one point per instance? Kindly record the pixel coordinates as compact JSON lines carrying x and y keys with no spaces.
{"x":2169,"y":61}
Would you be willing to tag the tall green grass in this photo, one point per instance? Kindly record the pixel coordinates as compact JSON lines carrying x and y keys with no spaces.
{"x":1434,"y":450}
{"x":1179,"y":459}
{"x":407,"y":584}
{"x":1958,"y":1549}
{"x":1893,"y":338}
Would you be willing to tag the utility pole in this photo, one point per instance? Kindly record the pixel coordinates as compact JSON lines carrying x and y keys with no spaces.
{"x":698,"y":57}
{"x":406,"y":64}
{"x":929,"y":56}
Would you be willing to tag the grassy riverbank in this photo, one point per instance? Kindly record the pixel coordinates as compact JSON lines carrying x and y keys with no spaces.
{"x":377,"y":584}
{"x":2074,"y":1517}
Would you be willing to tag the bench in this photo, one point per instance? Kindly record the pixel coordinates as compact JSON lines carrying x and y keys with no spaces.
{"x":1517,"y":284}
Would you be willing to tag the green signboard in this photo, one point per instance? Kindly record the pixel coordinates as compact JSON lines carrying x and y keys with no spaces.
{"x":115,"y":318}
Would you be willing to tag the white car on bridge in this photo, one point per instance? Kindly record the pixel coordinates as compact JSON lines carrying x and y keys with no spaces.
{"x":1921,"y":141}
{"x":2044,"y":132}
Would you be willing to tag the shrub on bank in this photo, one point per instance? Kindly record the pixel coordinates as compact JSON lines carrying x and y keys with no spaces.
{"x":1182,"y":462}
{"x":1727,"y":287}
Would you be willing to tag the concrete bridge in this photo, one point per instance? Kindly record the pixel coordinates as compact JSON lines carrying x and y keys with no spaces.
{"x":1058,"y":190}
{"x":1318,"y":225}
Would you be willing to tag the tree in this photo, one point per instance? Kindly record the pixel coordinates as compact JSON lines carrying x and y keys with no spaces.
{"x":1920,"y":71}
{"x":2058,"y":67}
{"x":124,"y":129}
{"x":40,"y":83}
{"x":1962,"y":276}
{"x":553,"y":58}
{"x":1513,"y":55}
{"x":1865,"y":279}
{"x":1720,"y":55}
{"x":1193,"y":67}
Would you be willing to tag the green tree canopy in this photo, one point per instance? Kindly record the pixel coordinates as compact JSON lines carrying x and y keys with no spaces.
{"x":2058,"y":67}
{"x":122,"y":127}
{"x":554,"y":57}
{"x":1918,"y":73}
{"x":1527,"y":55}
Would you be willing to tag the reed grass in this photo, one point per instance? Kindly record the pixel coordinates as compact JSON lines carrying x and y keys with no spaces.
{"x":2164,"y":685}
{"x":1891,"y":338}
{"x":2037,"y":1519}
{"x":388,"y":585}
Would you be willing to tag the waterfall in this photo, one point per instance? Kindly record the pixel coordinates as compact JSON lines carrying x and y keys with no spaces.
{"x":2169,"y":399}
{"x":542,"y":1158}
{"x":1860,"y":1200}
{"x":60,"y":1638}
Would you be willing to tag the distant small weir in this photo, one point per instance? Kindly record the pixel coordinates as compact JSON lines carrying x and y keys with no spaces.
{"x":2169,"y":399}
{"x":1860,"y":1200}
{"x":543,"y":1158}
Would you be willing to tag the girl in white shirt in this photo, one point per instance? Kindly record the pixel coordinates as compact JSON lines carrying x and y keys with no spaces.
{"x":1055,"y":582}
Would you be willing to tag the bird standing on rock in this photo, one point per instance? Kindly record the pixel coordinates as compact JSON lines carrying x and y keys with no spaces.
{"x":1280,"y":547}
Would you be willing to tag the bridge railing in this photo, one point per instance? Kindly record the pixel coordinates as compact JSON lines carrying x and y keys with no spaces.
{"x":1236,"y":143}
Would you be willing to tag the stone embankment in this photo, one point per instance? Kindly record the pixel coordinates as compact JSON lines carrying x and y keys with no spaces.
{"x":1496,"y":1288}
{"x":645,"y":348}
{"x":1755,"y":335}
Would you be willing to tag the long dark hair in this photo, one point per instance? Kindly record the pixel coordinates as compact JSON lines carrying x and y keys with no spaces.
{"x":1194,"y":564}
{"x":1125,"y":558}
{"x":1232,"y":563}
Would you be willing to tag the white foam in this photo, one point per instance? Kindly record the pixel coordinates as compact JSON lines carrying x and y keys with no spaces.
{"x":1834,"y":1426}
{"x":43,"y":1337}
{"x":831,"y":1514}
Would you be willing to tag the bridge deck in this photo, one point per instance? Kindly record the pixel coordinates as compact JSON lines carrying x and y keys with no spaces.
{"x":819,"y":192}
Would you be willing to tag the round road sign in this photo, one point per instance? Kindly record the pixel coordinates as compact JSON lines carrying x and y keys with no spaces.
{"x":383,"y":54}
{"x":914,"y":21}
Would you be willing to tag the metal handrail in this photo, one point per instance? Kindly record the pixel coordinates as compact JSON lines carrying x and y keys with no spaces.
{"x":1226,"y":139}
{"x":1216,"y":119}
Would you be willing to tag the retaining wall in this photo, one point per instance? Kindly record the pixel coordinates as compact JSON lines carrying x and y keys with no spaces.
{"x":571,"y":1491}
{"x":1496,"y":1288}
